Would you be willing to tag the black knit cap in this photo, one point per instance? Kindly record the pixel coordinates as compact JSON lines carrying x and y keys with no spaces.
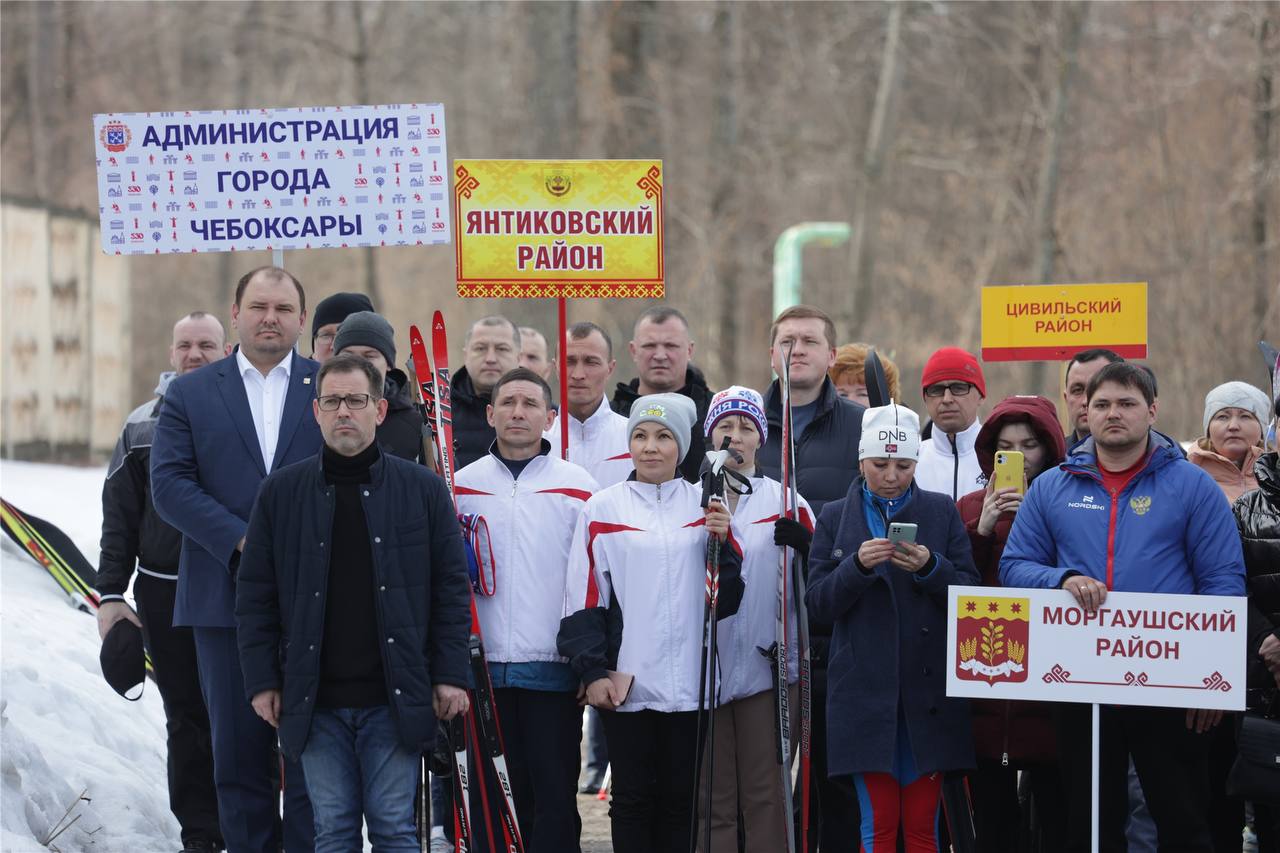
{"x":336,"y":308}
{"x":123,"y":660}
{"x":367,"y":329}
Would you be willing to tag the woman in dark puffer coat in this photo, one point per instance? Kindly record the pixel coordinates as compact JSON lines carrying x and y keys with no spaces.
{"x":1258,"y":517}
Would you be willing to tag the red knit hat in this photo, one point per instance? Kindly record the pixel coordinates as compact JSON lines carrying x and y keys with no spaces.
{"x":952,"y":364}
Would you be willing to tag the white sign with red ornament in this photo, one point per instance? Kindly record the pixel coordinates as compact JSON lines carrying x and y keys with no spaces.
{"x":1176,"y":651}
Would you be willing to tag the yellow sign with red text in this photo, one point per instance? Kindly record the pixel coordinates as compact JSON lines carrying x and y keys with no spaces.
{"x":560,"y":229}
{"x":1053,"y":322}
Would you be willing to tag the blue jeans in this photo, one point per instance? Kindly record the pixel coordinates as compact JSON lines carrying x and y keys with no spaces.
{"x":356,"y":767}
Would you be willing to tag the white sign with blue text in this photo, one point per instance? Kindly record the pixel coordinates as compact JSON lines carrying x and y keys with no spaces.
{"x":282,"y":179}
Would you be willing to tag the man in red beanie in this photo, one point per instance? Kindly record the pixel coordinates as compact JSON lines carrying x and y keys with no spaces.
{"x":953,"y":387}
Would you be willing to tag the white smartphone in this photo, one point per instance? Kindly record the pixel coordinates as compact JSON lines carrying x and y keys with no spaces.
{"x":902,"y":532}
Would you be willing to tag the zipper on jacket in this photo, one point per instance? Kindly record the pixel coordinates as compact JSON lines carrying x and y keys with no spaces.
{"x":514,"y":525}
{"x":1004,"y":755}
{"x":955,"y":467}
{"x":1111,"y":538}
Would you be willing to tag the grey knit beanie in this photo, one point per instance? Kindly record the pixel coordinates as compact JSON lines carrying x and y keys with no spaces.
{"x":674,"y":411}
{"x":367,"y":329}
{"x":1240,"y":395}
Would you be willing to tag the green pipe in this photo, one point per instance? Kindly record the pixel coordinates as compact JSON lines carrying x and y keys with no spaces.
{"x":788,"y":257}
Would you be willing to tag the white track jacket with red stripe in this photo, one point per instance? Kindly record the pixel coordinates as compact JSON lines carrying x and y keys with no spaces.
{"x":743,"y":670}
{"x":600,"y":444}
{"x":531,"y":522}
{"x":637,"y":591}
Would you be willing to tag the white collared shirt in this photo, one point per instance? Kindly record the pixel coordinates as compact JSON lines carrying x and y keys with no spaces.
{"x":266,"y":401}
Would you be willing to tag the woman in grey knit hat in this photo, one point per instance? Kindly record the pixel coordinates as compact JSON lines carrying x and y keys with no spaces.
{"x":1236,"y":415}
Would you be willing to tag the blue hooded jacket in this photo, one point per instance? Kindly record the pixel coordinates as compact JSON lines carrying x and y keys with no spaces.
{"x":1168,"y":530}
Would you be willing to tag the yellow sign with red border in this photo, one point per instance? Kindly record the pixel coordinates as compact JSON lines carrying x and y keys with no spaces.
{"x":1053,"y":322}
{"x":559,"y":228}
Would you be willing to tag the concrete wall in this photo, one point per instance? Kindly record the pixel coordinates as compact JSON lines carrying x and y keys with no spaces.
{"x":65,"y":341}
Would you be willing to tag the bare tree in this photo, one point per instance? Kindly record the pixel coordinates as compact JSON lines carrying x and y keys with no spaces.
{"x":1072,"y":21}
{"x":863,"y":231}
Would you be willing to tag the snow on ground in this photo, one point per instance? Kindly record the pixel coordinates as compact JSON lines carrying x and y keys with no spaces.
{"x":63,"y":730}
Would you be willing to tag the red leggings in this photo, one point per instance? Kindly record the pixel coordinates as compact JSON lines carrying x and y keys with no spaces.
{"x":886,"y":805}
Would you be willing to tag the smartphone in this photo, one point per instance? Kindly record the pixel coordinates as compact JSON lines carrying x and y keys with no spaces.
{"x":902,"y":532}
{"x":1009,"y":469}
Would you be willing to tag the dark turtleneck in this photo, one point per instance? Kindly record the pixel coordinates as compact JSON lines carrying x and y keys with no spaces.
{"x":351,"y":674}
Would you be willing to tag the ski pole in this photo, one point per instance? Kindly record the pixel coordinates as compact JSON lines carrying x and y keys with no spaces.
{"x":713,"y":492}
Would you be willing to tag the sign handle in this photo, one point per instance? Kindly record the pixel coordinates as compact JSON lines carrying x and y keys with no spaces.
{"x":564,"y":381}
{"x":1097,"y":803}
{"x":277,"y":258}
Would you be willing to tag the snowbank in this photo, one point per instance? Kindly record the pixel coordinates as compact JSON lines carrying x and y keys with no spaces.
{"x":63,"y":731}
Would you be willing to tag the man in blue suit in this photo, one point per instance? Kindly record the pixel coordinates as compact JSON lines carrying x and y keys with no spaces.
{"x":222,"y":429}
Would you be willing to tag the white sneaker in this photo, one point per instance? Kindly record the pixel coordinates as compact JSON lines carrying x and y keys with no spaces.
{"x":441,"y":845}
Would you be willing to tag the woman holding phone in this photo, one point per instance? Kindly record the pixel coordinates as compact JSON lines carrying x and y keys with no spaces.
{"x":635,"y":591}
{"x":892,"y":730}
{"x":1020,"y":440}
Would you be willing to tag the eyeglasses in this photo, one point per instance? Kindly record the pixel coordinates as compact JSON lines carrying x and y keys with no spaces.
{"x":957,"y":389}
{"x":353,"y":401}
{"x":327,"y":337}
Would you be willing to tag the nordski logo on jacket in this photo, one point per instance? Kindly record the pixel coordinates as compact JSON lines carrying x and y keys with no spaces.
{"x":991,"y":638}
{"x":1085,"y":502}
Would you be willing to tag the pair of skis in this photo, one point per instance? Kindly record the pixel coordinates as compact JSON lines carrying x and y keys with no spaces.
{"x":778,"y":652}
{"x":45,"y":543}
{"x":479,"y":727}
{"x":50,"y":547}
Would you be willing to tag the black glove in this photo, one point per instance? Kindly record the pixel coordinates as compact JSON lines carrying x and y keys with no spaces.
{"x":787,"y":532}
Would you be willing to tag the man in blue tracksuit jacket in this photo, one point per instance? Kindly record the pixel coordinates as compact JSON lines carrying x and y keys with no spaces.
{"x":1127,"y":512}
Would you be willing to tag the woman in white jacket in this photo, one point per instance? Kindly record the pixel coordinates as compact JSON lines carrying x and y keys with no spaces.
{"x":748,"y":778}
{"x":636,"y":592}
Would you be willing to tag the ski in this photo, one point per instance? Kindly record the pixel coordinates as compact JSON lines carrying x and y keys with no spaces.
{"x":45,"y":543}
{"x":53,"y":549}
{"x":790,"y":509}
{"x":456,"y":733}
{"x":420,"y":369}
{"x":778,"y":652}
{"x":443,"y":407}
{"x":483,"y":716}
{"x":874,"y":378}
{"x":486,"y":714}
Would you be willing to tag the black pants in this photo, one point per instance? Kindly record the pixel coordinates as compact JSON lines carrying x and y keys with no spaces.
{"x":192,"y":797}
{"x":597,"y":747}
{"x":1001,"y":818}
{"x":1172,"y":765}
{"x":653,"y":756}
{"x":541,"y":732}
{"x":1226,"y":814}
{"x":246,"y":764}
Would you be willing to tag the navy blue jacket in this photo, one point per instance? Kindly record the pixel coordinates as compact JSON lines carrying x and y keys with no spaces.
{"x":826,"y":463}
{"x":827,"y":452}
{"x":889,"y":640}
{"x":206,"y":466}
{"x":422,"y":601}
